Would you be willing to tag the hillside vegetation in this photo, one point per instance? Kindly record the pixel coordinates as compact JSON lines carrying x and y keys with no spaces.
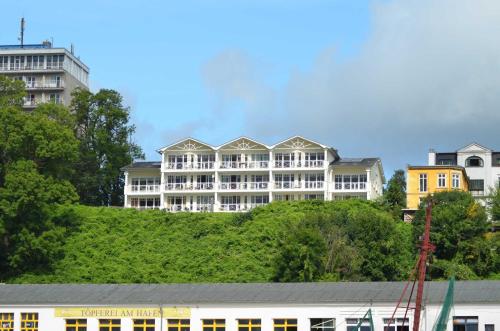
{"x":111,"y":245}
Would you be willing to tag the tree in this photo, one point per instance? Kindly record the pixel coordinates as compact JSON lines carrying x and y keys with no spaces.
{"x":301,"y":255}
{"x":103,"y":130}
{"x":495,"y":205}
{"x":458,"y":229}
{"x":395,"y":194}
{"x":12,"y":92}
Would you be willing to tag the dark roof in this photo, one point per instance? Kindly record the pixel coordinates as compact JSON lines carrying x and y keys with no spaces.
{"x":143,"y":165}
{"x":364,"y":162}
{"x":479,"y":292}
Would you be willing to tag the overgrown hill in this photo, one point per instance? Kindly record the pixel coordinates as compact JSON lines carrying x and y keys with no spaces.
{"x":113,"y":245}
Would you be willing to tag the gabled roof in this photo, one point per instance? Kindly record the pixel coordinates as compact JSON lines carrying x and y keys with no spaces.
{"x":142,"y":165}
{"x":186,"y":144}
{"x":244,"y":140}
{"x":473,"y":147}
{"x":466,"y":292}
{"x":297,"y":140}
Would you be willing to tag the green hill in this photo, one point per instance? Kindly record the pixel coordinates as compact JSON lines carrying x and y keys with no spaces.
{"x":113,"y":245}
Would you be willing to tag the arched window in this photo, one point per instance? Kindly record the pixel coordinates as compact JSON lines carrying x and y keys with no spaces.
{"x":474,"y":161}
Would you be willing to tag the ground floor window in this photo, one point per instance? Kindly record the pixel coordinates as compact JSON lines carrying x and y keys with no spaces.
{"x":314,"y":197}
{"x":397,"y":324}
{"x":249,"y":325}
{"x":322,"y":324}
{"x":259,"y":199}
{"x":352,"y":324}
{"x":465,"y":323}
{"x":178,"y":325}
{"x":144,"y":325}
{"x":214,"y":325}
{"x":76,"y":325}
{"x":6,"y":321}
{"x":109,"y":325}
{"x":29,"y":321}
{"x":145,"y":203}
{"x":285,"y":324}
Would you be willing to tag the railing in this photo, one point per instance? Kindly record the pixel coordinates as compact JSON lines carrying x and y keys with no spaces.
{"x":145,"y":188}
{"x":232,"y":207}
{"x":191,"y":165}
{"x":188,"y":186}
{"x":299,"y":164}
{"x":314,"y":184}
{"x":205,"y":207}
{"x":314,"y":164}
{"x":30,"y":103}
{"x":27,"y":67}
{"x":146,"y":207}
{"x":287,"y":185}
{"x":40,"y":85}
{"x":244,"y":186}
{"x":350,"y":186}
{"x":244,"y":165}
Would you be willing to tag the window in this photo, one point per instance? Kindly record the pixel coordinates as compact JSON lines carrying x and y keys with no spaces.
{"x":322,"y":324}
{"x":397,"y":324}
{"x":144,"y":325}
{"x":455,"y":181}
{"x":423,"y":183}
{"x":489,"y":327}
{"x":285,"y":325}
{"x":109,"y":325}
{"x":29,"y":321}
{"x":467,"y":323}
{"x":6,"y":321}
{"x":214,"y":325}
{"x":474,"y":161}
{"x":476,"y":185}
{"x":441,"y":180}
{"x":445,"y":162}
{"x":249,"y":325}
{"x":178,"y":325}
{"x":76,"y":325}
{"x":352,"y":324}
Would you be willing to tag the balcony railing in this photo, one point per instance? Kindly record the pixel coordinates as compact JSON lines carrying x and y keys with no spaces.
{"x":46,"y":85}
{"x":244,"y":186}
{"x":144,"y":188}
{"x":244,"y":165}
{"x":299,"y":164}
{"x":28,"y":67}
{"x":188,"y":186}
{"x":30,"y":103}
{"x":190,"y":165}
{"x":350,"y":186}
{"x":287,"y":185}
{"x":314,"y":184}
{"x":232,"y":207}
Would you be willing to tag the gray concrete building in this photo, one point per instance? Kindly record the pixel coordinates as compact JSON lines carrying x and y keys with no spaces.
{"x":50,"y":74}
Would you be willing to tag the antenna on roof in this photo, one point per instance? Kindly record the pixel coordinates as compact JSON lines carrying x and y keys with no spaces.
{"x":21,"y":37}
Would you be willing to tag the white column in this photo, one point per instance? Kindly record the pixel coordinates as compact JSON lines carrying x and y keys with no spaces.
{"x":216,"y":183}
{"x":270,"y":185}
{"x":125,"y":189}
{"x":368,"y":184}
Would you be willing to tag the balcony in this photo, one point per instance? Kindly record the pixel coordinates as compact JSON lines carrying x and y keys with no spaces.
{"x":44,"y":86}
{"x":299,"y":164}
{"x":16,"y":67}
{"x":190,"y":166}
{"x":314,"y":185}
{"x":244,"y":165}
{"x":203,"y":207}
{"x":244,"y":186}
{"x":287,"y":185}
{"x":143,"y":189}
{"x":189,"y":186}
{"x":30,"y":103}
{"x":353,"y":186}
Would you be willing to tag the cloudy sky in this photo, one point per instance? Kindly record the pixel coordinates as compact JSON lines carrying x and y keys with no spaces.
{"x":370,"y":78}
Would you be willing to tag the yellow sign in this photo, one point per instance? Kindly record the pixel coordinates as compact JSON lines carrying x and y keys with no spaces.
{"x":123,"y":312}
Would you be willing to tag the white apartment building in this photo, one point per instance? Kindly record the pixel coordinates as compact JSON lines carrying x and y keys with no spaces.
{"x":50,"y":74}
{"x":242,"y":307}
{"x":481,"y":164}
{"x":243,"y":173}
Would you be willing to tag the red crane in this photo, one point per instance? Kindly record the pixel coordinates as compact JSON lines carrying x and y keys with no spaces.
{"x":420,"y":267}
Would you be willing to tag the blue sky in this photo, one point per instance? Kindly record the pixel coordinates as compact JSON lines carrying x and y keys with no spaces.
{"x":366,"y":77}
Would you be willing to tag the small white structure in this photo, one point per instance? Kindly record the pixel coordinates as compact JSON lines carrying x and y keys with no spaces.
{"x":240,"y":307}
{"x":243,"y":173}
{"x":482,"y":166}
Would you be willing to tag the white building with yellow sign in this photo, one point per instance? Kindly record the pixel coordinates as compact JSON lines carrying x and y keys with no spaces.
{"x":240,"y":307}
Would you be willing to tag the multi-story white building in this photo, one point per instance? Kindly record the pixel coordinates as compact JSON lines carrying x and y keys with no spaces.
{"x":243,"y":173}
{"x":50,"y":74}
{"x":482,"y":166}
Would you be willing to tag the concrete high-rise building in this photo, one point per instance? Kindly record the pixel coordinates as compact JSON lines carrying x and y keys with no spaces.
{"x":50,"y":74}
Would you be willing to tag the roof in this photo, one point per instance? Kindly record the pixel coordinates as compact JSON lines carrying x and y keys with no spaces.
{"x":479,"y":292}
{"x":142,"y":165}
{"x":437,"y":166}
{"x":364,"y":162}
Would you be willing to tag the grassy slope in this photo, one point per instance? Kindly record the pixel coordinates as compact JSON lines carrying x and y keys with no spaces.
{"x":125,"y":245}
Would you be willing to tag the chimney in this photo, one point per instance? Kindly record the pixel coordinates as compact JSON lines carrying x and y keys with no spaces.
{"x":432,"y":157}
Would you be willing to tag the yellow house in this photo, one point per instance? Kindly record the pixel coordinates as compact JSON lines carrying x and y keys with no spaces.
{"x":424,"y":180}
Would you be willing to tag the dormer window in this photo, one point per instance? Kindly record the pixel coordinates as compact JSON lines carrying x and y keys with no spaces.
{"x":474,"y":161}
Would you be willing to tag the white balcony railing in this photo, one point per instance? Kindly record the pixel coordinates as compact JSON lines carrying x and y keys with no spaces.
{"x":299,"y":164}
{"x":190,"y":165}
{"x":188,"y":186}
{"x":232,"y":207}
{"x":287,"y":185}
{"x":30,"y":103}
{"x":314,"y":184}
{"x":205,"y":207}
{"x":144,"y":188}
{"x":28,"y":67}
{"x":356,"y":186}
{"x":244,"y":165}
{"x":244,"y":186}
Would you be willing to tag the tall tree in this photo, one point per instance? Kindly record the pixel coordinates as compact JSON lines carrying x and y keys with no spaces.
{"x":103,"y":129}
{"x":395,"y":193}
{"x":12,"y":92}
{"x":495,"y":205}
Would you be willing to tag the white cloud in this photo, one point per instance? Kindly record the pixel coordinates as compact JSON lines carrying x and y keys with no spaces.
{"x":427,"y":76}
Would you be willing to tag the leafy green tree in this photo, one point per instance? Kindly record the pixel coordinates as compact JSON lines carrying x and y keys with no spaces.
{"x":12,"y":92}
{"x":395,"y":193}
{"x":301,"y":255}
{"x":458,"y":228}
{"x":103,"y":130}
{"x":495,"y":205}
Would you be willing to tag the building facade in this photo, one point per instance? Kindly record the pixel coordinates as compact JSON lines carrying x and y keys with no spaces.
{"x":243,"y":173}
{"x":427,"y":180}
{"x":481,"y":164}
{"x":241,"y":307}
{"x":50,"y":74}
